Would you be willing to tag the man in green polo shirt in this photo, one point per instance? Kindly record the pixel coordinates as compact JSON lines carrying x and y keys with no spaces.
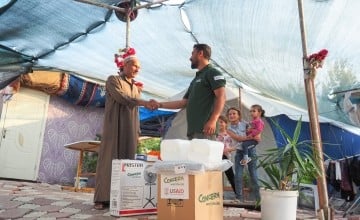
{"x":205,"y":97}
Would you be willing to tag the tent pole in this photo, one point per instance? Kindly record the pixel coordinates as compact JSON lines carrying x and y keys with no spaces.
{"x":239,"y":99}
{"x":127,"y":28}
{"x":314,"y":121}
{"x":111,"y":7}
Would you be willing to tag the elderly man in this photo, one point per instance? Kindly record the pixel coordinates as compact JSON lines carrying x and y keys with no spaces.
{"x":121,"y":125}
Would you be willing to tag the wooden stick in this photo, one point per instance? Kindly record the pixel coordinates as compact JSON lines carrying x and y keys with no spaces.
{"x":117,"y":8}
{"x":314,"y":121}
{"x":103,"y":5}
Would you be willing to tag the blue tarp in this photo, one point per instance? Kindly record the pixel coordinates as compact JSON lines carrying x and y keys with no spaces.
{"x":146,"y":114}
{"x":80,"y":92}
{"x":337,"y":142}
{"x":154,"y":123}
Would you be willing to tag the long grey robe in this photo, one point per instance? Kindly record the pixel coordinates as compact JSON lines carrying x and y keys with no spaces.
{"x":120,"y":131}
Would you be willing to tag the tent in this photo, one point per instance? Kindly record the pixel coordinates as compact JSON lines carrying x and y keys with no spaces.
{"x":256,"y":44}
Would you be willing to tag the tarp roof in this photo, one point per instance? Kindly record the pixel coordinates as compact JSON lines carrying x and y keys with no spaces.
{"x":255,"y":42}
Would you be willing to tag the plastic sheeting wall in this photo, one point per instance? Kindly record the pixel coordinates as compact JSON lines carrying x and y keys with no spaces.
{"x":255,"y":41}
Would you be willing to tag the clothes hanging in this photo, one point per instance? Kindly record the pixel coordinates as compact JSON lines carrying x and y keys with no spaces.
{"x":355,"y":170}
{"x":331,"y":176}
{"x":347,"y":191}
{"x":337,"y":170}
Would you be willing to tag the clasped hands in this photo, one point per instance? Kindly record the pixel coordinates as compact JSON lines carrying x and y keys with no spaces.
{"x":152,"y":104}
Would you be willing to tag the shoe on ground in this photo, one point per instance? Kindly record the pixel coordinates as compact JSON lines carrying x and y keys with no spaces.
{"x":236,"y":201}
{"x":101,"y":205}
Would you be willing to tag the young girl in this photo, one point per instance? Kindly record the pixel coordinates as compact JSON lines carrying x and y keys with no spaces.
{"x":256,"y":126}
{"x":223,"y":136}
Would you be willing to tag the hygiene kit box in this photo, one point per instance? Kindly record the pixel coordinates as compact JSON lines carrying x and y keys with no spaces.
{"x":185,"y":189}
{"x":193,"y":197}
{"x":133,"y":188}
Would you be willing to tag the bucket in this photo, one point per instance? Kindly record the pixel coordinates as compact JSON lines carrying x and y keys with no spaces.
{"x":276,"y":204}
{"x":82,"y":182}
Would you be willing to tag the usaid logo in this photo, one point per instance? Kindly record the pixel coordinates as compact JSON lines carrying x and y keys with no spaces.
{"x":168,"y":191}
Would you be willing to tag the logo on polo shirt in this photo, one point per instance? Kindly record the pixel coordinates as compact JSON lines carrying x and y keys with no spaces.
{"x":219,"y":78}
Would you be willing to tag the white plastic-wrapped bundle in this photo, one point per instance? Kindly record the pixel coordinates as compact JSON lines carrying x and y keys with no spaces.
{"x":205,"y":151}
{"x":178,"y":167}
{"x":174,"y":149}
{"x":189,"y":167}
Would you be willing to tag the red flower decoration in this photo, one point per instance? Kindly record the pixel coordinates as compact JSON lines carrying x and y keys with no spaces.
{"x":123,"y":53}
{"x":139,"y":84}
{"x":317,"y":59}
{"x":320,"y":56}
{"x":119,"y":61}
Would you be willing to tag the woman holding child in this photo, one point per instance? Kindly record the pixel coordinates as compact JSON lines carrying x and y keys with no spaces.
{"x":237,"y":131}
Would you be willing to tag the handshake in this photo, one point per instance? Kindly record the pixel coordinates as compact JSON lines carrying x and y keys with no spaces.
{"x":152,"y":104}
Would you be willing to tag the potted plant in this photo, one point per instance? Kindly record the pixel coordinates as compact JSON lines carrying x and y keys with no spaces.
{"x":286,"y":166}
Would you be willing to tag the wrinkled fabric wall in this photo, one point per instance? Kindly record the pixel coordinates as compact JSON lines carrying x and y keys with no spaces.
{"x":259,"y":43}
{"x":66,"y":123}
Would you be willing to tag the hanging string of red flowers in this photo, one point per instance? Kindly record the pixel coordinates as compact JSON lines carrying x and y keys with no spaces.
{"x":316,"y":60}
{"x":123,"y":53}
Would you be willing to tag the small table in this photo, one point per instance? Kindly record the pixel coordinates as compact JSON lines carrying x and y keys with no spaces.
{"x":82,"y":146}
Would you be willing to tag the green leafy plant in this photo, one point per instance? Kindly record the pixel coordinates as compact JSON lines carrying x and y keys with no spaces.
{"x":89,"y":162}
{"x":294,"y":159}
{"x":149,"y":144}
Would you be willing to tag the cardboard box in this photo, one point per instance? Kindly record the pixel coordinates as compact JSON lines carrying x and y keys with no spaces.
{"x":205,"y":193}
{"x":133,"y":188}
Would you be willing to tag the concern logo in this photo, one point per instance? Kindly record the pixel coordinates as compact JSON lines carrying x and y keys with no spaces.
{"x":209,"y":197}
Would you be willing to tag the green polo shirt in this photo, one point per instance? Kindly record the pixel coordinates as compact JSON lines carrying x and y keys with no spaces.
{"x":201,"y":97}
